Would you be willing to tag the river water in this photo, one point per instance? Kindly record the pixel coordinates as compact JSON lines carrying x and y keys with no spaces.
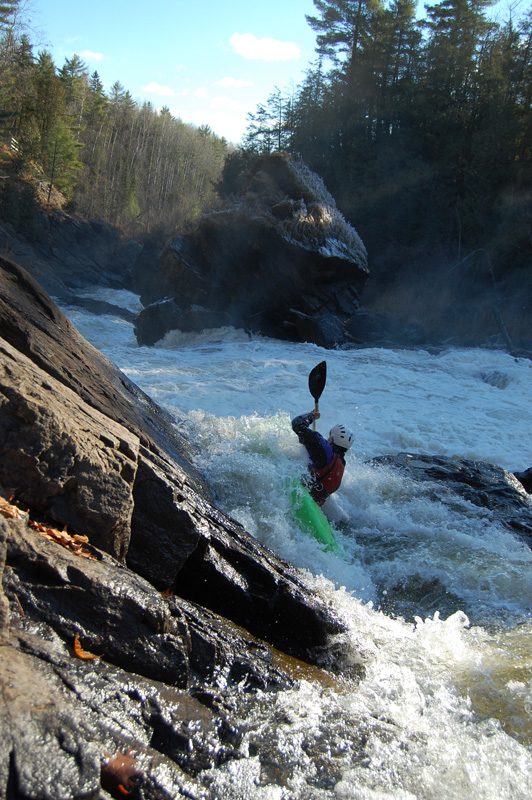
{"x":436,"y":596}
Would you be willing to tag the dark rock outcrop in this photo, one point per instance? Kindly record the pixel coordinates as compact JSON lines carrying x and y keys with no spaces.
{"x":485,"y":485}
{"x":148,"y":280}
{"x":69,"y":253}
{"x":156,"y":687}
{"x":280,"y":261}
{"x":122,"y":633}
{"x":525,"y":478}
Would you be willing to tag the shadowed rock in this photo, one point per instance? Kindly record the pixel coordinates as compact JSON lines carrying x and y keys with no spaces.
{"x":485,"y":485}
{"x":281,"y":261}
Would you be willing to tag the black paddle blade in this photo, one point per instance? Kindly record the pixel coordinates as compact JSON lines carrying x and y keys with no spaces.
{"x":316,"y":380}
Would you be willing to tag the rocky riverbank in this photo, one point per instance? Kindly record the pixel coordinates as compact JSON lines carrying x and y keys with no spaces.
{"x":113,"y":548}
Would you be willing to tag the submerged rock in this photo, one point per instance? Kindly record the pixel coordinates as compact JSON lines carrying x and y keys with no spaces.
{"x":280,"y":260}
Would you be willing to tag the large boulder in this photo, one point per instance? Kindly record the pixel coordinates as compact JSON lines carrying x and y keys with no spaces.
{"x":129,"y":604}
{"x":86,"y":448}
{"x":280,"y":260}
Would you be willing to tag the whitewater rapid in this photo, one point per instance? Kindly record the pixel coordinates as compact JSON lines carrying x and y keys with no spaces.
{"x":437,"y":597}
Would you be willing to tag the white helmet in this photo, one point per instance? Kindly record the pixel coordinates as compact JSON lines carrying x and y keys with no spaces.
{"x":341,"y":436}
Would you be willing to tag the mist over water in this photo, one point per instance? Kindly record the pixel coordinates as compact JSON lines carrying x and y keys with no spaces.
{"x":436,"y":596}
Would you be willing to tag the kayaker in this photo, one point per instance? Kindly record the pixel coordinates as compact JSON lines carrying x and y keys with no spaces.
{"x":327,"y":457}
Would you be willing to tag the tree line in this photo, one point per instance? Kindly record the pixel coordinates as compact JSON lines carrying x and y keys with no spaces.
{"x":421,"y":128}
{"x":114,"y":159}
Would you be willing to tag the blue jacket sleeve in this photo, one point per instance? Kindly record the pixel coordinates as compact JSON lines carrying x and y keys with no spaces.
{"x":318,"y":448}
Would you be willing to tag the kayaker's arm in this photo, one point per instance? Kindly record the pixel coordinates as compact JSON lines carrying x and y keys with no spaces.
{"x":304,"y":421}
{"x":319,"y":450}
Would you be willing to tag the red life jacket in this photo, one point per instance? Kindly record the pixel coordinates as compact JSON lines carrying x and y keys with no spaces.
{"x":326,"y":480}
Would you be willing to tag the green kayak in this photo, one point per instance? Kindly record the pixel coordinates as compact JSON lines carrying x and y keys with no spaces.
{"x":310,"y":516}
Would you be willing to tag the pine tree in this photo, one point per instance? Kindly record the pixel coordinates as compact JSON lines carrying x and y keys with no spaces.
{"x":75,"y":79}
{"x":59,"y":156}
{"x":8,"y":13}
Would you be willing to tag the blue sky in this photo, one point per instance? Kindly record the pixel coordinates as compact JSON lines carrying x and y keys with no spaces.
{"x":209,"y":62}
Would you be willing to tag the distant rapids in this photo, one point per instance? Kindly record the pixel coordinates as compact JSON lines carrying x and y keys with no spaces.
{"x":437,"y":598}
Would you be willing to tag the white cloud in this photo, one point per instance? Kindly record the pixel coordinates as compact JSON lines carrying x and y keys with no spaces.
{"x":224,"y":122}
{"x":248,"y":46}
{"x":200,"y":92}
{"x":155,"y":88}
{"x":229,"y":105}
{"x":233,"y":83}
{"x":90,"y":56}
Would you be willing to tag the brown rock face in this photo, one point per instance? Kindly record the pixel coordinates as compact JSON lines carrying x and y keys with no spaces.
{"x":64,"y":458}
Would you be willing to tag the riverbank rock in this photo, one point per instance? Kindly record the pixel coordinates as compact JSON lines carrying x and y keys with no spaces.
{"x":485,"y":485}
{"x":84,"y":446}
{"x":66,"y":254}
{"x":280,"y":261}
{"x":133,"y":613}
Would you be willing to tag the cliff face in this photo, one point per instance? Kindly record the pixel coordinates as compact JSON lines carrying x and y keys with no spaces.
{"x":123,"y":554}
{"x":68,"y":253}
{"x":279,"y":260}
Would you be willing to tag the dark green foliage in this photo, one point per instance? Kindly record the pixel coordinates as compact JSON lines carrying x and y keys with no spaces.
{"x":234,"y":171}
{"x":421,"y":130}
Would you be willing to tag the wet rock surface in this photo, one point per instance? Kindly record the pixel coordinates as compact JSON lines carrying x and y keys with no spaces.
{"x":130,"y":603}
{"x":280,"y":261}
{"x":482,"y":484}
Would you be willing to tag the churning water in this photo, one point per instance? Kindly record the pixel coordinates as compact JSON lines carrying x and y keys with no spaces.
{"x":436,"y":596}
